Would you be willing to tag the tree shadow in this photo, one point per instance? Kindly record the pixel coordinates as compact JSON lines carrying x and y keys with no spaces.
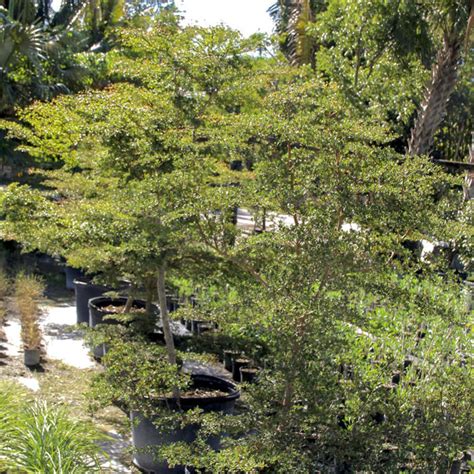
{"x":37,"y":368}
{"x":63,"y":331}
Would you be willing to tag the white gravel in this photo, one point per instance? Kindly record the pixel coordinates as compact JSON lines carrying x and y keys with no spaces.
{"x":62,"y":342}
{"x":115,"y":448}
{"x":30,"y":383}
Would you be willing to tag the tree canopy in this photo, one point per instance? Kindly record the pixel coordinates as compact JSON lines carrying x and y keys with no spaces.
{"x":363,"y":344}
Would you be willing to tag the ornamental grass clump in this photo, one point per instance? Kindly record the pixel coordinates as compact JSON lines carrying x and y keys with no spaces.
{"x":4,"y":289}
{"x":37,"y":437}
{"x":28,"y":291}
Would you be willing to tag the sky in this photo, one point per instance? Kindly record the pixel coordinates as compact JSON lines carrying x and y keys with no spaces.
{"x":248,"y":16}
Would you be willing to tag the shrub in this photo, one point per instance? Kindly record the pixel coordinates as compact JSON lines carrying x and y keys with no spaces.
{"x":28,"y":291}
{"x":136,"y":375}
{"x":4,"y":289}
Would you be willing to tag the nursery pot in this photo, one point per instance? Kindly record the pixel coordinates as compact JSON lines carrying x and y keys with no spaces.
{"x":229,"y":357}
{"x":236,"y":165}
{"x":85,"y":290}
{"x":236,"y":365}
{"x":198,"y":327}
{"x":46,"y":263}
{"x":204,"y":326}
{"x":98,"y":305}
{"x":195,"y":326}
{"x":248,"y":374}
{"x":172,"y":303}
{"x":32,"y":357}
{"x":99,"y":351}
{"x":71,"y":275}
{"x":145,"y":435}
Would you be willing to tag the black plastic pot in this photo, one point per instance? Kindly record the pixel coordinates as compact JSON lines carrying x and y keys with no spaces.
{"x":198,"y":327}
{"x":248,"y":374}
{"x":145,"y":435}
{"x":173,"y":303}
{"x":97,"y":311}
{"x":204,"y":326}
{"x":71,"y":275}
{"x":195,"y":326}
{"x":32,"y":357}
{"x":236,"y":165}
{"x":85,"y":290}
{"x":47,"y":264}
{"x":99,"y":351}
{"x":229,"y":357}
{"x":236,"y":366}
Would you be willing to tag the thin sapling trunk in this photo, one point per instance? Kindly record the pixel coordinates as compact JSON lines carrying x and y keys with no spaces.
{"x":129,"y":304}
{"x":165,"y":316}
{"x":170,"y":348}
{"x":149,"y":298}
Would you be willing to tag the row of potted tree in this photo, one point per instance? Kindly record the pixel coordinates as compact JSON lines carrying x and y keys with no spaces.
{"x":144,"y":194}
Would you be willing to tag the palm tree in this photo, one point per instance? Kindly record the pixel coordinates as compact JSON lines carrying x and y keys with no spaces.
{"x":37,"y":45}
{"x":291,"y":18}
{"x":21,"y":39}
{"x":455,"y":19}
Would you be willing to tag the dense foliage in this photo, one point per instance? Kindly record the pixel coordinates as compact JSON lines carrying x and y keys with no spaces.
{"x":45,"y":51}
{"x":364,"y":345}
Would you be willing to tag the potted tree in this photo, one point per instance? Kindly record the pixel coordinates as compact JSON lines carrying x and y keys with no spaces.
{"x":130,"y":212}
{"x":28,"y":291}
{"x":327,"y":289}
{"x":139,"y":379}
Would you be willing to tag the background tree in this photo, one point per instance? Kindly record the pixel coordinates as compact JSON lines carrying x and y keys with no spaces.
{"x":291,"y":18}
{"x":453,"y":138}
{"x":381,"y":53}
{"x":45,"y":52}
{"x":377,"y":51}
{"x":452,"y":21}
{"x":21,"y":44}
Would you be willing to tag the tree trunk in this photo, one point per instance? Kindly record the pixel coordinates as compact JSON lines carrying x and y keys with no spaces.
{"x":434,"y":104}
{"x":301,"y":48}
{"x":469,"y":180}
{"x":291,"y":18}
{"x":149,"y":297}
{"x":160,"y":283}
{"x":130,"y":299}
